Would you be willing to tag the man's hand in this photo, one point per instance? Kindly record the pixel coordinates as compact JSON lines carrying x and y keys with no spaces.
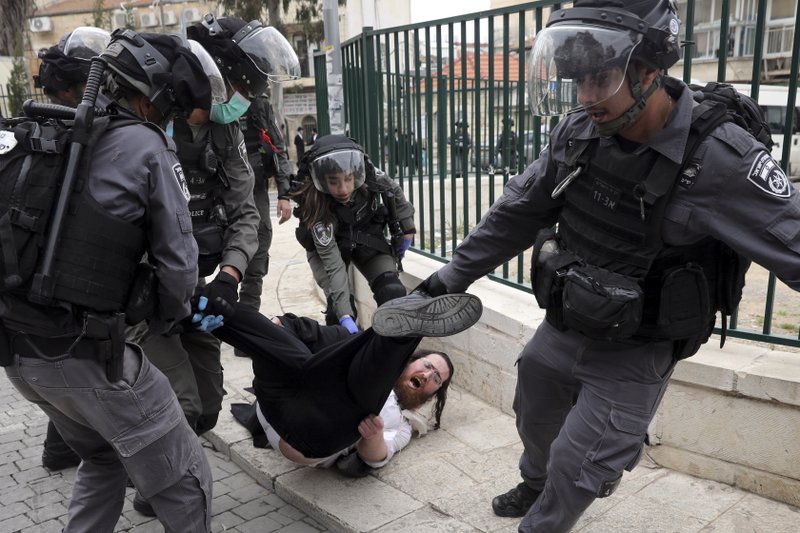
{"x":371,"y":447}
{"x":222,"y":295}
{"x":283,"y":210}
{"x":371,"y":427}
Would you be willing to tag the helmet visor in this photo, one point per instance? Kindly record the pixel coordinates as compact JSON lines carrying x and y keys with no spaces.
{"x":86,"y":42}
{"x":575,"y":66}
{"x":271,"y":54}
{"x":339,"y":173}
{"x":219,"y":93}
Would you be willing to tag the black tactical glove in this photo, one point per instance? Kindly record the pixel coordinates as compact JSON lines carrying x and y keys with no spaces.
{"x":222,"y":294}
{"x":432,"y":286}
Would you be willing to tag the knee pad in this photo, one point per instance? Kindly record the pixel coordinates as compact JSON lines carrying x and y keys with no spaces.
{"x":387,"y":286}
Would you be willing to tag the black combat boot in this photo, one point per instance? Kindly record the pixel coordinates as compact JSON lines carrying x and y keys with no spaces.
{"x":57,"y":455}
{"x":420,"y":315}
{"x":516,"y":502}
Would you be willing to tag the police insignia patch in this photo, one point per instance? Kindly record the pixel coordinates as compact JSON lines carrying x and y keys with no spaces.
{"x":177,"y":169}
{"x":323,"y":233}
{"x":768,"y":176}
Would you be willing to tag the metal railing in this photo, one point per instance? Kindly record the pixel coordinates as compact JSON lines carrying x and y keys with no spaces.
{"x":407,"y":89}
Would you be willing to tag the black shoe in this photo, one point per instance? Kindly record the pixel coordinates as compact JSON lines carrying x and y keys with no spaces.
{"x":143,"y":506}
{"x":418,"y":315}
{"x":516,"y":502}
{"x":59,"y":460}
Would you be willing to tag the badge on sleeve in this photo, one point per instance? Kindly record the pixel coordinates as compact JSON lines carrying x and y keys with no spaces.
{"x":767,"y":175}
{"x":177,"y":169}
{"x":323,"y":233}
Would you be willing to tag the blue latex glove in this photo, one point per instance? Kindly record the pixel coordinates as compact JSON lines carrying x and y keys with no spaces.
{"x":206,"y":323}
{"x":402,"y":247}
{"x":348,"y":322}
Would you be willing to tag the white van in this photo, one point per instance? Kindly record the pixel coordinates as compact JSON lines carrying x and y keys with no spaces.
{"x":772,"y":99}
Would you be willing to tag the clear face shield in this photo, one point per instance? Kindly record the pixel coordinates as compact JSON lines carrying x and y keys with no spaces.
{"x":271,"y":54}
{"x":339,"y":173}
{"x":86,"y":42}
{"x":219,"y":93}
{"x":575,"y":66}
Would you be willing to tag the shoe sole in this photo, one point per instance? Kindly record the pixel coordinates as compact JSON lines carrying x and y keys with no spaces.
{"x":429,"y":317}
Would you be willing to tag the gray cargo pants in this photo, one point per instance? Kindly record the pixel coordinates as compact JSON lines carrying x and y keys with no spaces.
{"x":132,"y":427}
{"x":253,"y":279}
{"x":575,"y":454}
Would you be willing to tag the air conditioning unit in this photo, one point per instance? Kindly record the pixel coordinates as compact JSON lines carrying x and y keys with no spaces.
{"x":120,"y":19}
{"x":41,"y":24}
{"x":149,"y":20}
{"x":169,"y":18}
{"x":192,"y":14}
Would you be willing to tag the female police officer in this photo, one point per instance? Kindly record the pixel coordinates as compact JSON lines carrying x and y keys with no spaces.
{"x":646,"y":255}
{"x":345,"y":204}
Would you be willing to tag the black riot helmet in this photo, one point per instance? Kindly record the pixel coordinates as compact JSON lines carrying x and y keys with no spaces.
{"x":161,"y":67}
{"x":600,"y":39}
{"x":67,"y":63}
{"x":247,"y":53}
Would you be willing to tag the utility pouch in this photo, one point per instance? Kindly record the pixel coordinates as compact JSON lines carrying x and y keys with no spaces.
{"x":548,"y":266}
{"x":210,"y":243}
{"x":143,"y":296}
{"x":684,"y":307}
{"x":601,"y":304}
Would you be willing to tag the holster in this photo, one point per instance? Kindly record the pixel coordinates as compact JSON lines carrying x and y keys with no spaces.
{"x":143,"y":296}
{"x":111,"y":329}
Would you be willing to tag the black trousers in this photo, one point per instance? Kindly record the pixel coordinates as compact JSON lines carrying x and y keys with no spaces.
{"x":315,"y":383}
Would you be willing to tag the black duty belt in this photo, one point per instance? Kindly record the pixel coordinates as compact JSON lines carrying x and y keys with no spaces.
{"x":56,"y":348}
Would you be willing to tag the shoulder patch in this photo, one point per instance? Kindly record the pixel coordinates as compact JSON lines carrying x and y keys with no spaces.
{"x":323,"y":233}
{"x":7,"y":141}
{"x":767,"y":175}
{"x":177,"y":169}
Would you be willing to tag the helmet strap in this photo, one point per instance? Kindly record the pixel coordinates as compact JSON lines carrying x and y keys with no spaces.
{"x":613,"y":127}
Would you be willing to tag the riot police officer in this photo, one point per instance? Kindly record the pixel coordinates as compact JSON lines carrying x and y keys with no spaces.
{"x":224,"y":217}
{"x":345,"y":204}
{"x":69,"y":355}
{"x":62,"y":77}
{"x":642,"y":259}
{"x":65,"y":66}
{"x":266,"y":150}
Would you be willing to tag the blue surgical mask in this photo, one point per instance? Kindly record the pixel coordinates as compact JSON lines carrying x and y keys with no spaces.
{"x":231,"y":110}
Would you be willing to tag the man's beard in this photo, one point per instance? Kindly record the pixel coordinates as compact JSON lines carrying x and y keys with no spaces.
{"x":409,"y":397}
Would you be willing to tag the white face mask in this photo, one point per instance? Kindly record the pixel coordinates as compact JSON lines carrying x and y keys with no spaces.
{"x":230,"y":111}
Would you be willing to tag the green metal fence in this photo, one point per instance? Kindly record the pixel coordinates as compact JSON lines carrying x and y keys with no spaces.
{"x":406,"y":89}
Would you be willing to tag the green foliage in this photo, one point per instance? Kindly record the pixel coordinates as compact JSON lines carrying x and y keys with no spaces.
{"x":18,"y":85}
{"x":101,"y":17}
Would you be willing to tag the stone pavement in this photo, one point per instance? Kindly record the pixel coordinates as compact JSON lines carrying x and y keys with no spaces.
{"x":442,"y":482}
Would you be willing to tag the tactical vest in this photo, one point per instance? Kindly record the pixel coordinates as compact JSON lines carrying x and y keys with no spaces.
{"x":362,"y":224}
{"x":97,"y":256}
{"x":612,"y":219}
{"x":202,"y":161}
{"x":97,"y":253}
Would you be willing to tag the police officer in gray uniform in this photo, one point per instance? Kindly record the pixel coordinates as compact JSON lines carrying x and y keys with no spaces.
{"x":224,"y":217}
{"x":109,"y":403}
{"x":643,"y":255}
{"x":62,"y":76}
{"x":266,"y":150}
